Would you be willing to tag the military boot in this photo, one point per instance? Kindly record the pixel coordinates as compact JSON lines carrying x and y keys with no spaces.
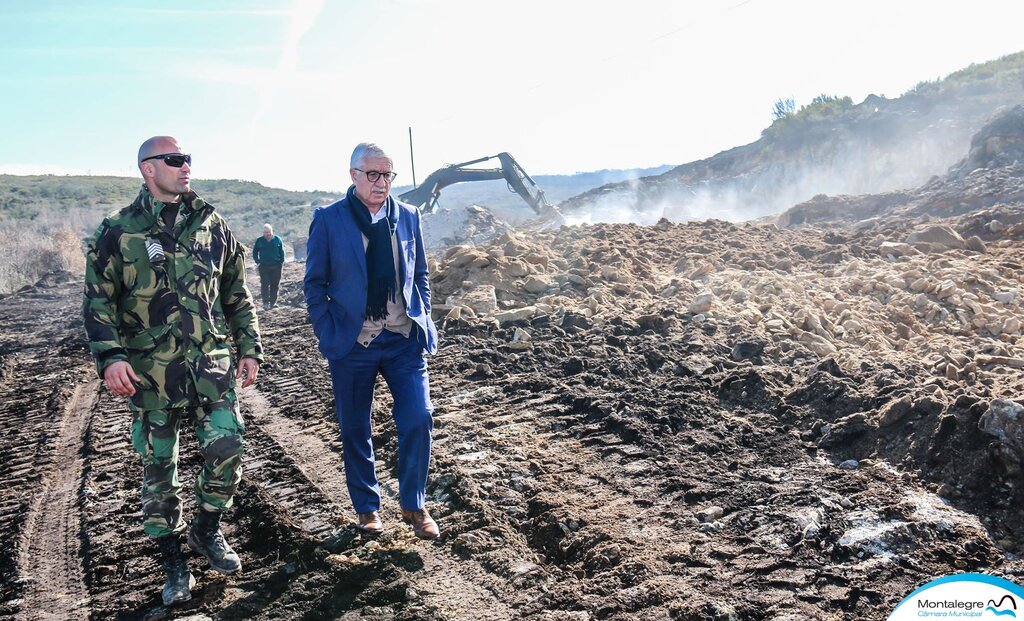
{"x":179,"y":582}
{"x":205,"y":537}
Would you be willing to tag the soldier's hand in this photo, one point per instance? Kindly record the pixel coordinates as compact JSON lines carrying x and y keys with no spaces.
{"x":248,"y":368}
{"x":119,"y":377}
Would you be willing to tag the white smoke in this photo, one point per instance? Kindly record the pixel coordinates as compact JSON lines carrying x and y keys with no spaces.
{"x":859,"y":167}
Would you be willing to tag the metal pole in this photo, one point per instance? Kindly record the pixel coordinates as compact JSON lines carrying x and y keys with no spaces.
{"x":412,"y":160}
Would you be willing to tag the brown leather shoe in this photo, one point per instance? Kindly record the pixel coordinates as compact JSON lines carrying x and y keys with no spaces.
{"x":369,"y":523}
{"x":422,"y":524}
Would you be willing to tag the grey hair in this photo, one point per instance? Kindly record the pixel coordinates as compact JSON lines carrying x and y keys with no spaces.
{"x":364,"y":150}
{"x":267,"y":227}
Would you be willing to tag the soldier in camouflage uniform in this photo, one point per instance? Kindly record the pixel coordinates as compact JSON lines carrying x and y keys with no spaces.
{"x":165,"y":299}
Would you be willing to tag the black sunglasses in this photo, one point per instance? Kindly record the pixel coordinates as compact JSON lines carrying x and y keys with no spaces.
{"x":373,"y":175}
{"x":174,"y":160}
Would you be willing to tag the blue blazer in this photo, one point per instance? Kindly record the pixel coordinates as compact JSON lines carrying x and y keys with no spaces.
{"x":335,"y":281}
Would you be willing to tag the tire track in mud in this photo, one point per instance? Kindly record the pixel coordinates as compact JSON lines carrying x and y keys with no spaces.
{"x":313,"y":457}
{"x":120,"y":561}
{"x":270,"y":524}
{"x":277,"y":459}
{"x":25,"y":420}
{"x":585,"y":491}
{"x":40,"y":374}
{"x":607,"y":488}
{"x":529,"y":501}
{"x":49,"y":556}
{"x":582,"y":499}
{"x":556,"y":503}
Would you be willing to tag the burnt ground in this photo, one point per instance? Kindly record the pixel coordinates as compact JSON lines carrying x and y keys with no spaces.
{"x":613,"y":471}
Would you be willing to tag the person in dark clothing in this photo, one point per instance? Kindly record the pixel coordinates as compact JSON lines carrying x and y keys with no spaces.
{"x":367,"y":291}
{"x":268,"y":252}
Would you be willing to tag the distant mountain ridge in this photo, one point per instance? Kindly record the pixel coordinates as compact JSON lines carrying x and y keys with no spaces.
{"x":832,"y":146}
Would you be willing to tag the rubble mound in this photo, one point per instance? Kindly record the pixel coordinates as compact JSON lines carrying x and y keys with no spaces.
{"x":912,"y":294}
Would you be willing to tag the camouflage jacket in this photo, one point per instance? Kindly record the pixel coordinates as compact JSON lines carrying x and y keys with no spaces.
{"x":167,"y":300}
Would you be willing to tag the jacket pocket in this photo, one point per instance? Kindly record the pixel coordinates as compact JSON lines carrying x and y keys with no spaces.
{"x":147,"y":340}
{"x":215,"y":372}
{"x":321,"y":322}
{"x":333,"y":316}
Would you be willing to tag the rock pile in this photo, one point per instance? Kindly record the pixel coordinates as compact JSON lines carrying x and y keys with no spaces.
{"x":923,"y":295}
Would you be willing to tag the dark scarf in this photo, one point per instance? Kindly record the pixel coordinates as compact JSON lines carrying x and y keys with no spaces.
{"x":380,"y":259}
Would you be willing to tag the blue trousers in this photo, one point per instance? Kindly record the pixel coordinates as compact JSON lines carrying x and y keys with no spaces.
{"x":403,"y":364}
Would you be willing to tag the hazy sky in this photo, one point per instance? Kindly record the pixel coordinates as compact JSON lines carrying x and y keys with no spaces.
{"x":279,"y":91}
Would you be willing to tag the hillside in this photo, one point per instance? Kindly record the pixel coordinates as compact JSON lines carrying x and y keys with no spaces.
{"x":989,"y":179}
{"x":44,"y":217}
{"x":831,"y":146}
{"x":85,"y":200}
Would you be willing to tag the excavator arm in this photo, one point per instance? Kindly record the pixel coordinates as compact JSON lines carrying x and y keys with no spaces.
{"x":425,"y":196}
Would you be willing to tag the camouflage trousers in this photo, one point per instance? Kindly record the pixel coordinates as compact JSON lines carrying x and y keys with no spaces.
{"x":219,"y":429}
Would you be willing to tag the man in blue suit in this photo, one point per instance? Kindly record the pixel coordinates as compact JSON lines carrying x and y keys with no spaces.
{"x":368,"y":298}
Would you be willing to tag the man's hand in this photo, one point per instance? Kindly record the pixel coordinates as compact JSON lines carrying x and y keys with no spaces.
{"x":248,"y":368}
{"x":119,"y":377}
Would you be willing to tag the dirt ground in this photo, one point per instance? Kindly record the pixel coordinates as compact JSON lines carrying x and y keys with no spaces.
{"x":623,"y":465}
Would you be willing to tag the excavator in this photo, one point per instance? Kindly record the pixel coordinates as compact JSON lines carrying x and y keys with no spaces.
{"x":426,"y":194}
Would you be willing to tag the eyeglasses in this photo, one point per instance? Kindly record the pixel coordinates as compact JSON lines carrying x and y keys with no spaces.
{"x":373,"y":175}
{"x":174,"y":160}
